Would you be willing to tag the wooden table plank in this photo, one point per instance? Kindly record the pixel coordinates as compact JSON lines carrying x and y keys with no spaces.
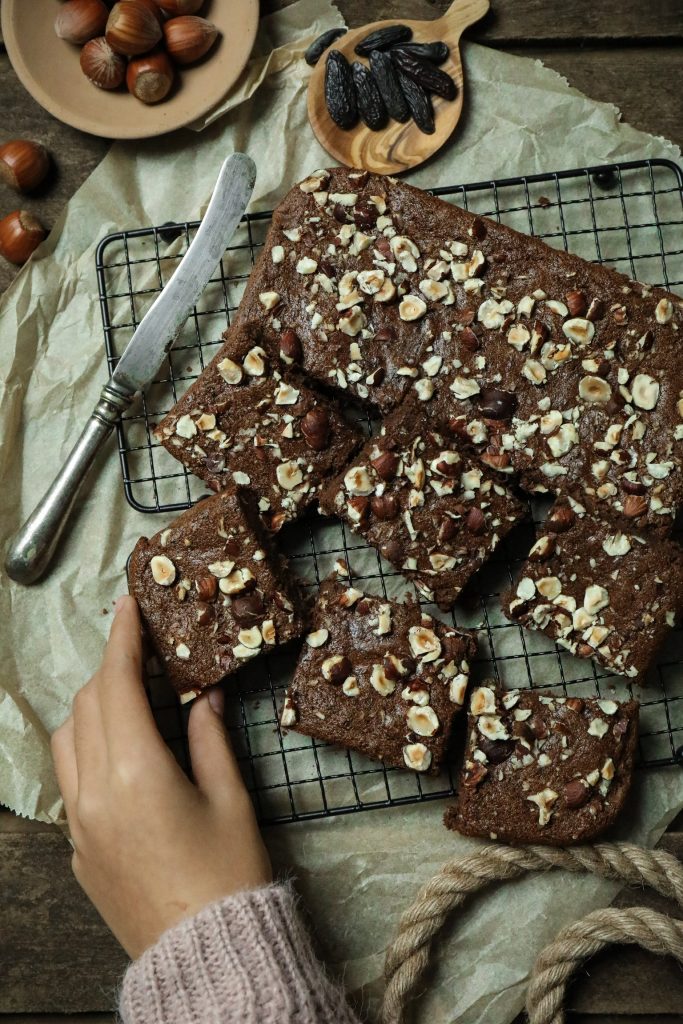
{"x":57,"y":954}
{"x":644,"y":83}
{"x":612,"y":982}
{"x":542,"y":21}
{"x":75,"y":155}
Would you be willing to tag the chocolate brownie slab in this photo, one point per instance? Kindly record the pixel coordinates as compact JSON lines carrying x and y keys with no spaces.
{"x":601,"y":593}
{"x":211,"y":593}
{"x":379,"y":677}
{"x":430,"y":510}
{"x":248,"y":421}
{"x":382,"y":289}
{"x":544,"y":769}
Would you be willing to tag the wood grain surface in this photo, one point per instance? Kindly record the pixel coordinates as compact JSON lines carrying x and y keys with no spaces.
{"x":58,"y":962}
{"x":57,"y":956}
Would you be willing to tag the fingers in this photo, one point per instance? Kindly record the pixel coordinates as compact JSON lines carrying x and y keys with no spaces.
{"x":64,"y":757}
{"x":126,"y":715}
{"x":214,"y":765}
{"x":88,"y":733}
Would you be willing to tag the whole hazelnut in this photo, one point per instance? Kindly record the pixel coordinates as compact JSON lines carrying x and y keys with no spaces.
{"x":132,"y":28}
{"x":78,"y":21}
{"x":23,"y":164}
{"x":20,"y":234}
{"x":101,"y":65}
{"x":315,"y":426}
{"x":385,"y":465}
{"x":149,"y":78}
{"x":188,"y":38}
{"x":290,"y":347}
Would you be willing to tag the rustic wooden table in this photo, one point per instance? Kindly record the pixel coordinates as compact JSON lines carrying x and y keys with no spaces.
{"x":58,"y":963}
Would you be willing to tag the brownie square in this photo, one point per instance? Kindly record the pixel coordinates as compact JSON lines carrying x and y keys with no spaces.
{"x":600,"y":593}
{"x":607,"y":427}
{"x":249,"y":422}
{"x":212,"y":595}
{"x":379,"y":677}
{"x":427,"y":506}
{"x":544,"y":769}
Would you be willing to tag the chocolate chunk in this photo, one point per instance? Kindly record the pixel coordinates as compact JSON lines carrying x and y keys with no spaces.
{"x":497,"y":405}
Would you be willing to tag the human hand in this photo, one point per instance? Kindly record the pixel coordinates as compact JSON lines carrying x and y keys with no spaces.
{"x":151,"y":848}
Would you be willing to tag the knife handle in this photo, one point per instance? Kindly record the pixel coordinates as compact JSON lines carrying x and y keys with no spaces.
{"x":32,"y":549}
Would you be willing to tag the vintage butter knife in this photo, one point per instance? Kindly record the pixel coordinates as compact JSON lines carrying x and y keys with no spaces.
{"x":33,"y":547}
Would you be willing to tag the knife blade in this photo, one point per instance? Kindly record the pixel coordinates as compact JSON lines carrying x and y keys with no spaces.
{"x":32,"y":549}
{"x":164,"y":320}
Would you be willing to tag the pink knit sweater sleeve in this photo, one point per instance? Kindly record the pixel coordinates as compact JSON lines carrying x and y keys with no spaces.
{"x":246,"y":959}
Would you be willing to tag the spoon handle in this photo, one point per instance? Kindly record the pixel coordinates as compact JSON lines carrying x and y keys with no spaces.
{"x":461,"y":14}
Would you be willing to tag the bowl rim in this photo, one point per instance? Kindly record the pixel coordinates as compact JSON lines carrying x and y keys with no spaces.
{"x":92,"y":126}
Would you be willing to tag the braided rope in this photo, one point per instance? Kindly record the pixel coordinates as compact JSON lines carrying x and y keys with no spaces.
{"x":408,"y":955}
{"x":557,"y":963}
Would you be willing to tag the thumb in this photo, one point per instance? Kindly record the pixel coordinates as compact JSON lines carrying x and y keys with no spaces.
{"x":214,"y":765}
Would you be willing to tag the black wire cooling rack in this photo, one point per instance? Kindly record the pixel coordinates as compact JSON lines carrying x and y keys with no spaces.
{"x":628,"y":215}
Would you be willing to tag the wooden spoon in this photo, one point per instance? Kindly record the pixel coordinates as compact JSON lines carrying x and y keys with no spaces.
{"x":398,"y":147}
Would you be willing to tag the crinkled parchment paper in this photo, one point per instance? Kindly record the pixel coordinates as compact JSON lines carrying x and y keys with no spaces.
{"x":357,"y":872}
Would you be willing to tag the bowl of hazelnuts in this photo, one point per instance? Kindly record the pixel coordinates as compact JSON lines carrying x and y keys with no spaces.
{"x":129,"y":69}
